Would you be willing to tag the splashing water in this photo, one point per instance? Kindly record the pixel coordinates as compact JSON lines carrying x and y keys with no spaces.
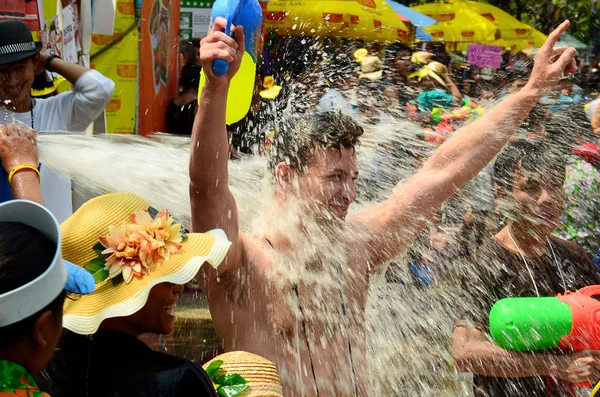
{"x":408,"y":328}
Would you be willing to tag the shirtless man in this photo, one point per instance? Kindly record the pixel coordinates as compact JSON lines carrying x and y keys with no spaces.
{"x":310,"y":321}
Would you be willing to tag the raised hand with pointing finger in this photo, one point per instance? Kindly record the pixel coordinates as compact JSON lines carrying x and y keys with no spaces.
{"x":551,"y":64}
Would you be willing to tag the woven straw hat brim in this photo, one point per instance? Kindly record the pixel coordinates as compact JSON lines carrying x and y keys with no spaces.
{"x":80,"y":233}
{"x":260,"y":373}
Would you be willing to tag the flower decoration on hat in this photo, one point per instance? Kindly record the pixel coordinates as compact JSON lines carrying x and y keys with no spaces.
{"x":129,"y":250}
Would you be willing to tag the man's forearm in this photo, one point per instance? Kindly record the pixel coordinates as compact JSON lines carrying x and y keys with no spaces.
{"x":485,"y":358}
{"x":476,"y":144}
{"x":70,"y":71}
{"x":210,"y":146}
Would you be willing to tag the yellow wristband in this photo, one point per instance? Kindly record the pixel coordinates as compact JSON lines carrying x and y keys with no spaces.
{"x":21,"y":168}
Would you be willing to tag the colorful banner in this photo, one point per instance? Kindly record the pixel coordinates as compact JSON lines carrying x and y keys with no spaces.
{"x":485,"y":56}
{"x":158,"y":63}
{"x":194,"y":19}
{"x":120,"y":63}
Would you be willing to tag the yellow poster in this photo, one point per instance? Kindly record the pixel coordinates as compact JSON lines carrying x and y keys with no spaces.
{"x":116,"y":57}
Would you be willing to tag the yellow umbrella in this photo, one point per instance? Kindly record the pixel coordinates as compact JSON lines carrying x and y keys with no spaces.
{"x":371,"y":20}
{"x":458,"y":23}
{"x":510,"y":27}
{"x":536,"y":40}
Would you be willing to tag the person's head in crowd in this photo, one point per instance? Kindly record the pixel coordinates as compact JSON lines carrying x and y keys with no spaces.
{"x":139,"y":291}
{"x":486,"y":90}
{"x":313,"y":159}
{"x":189,"y":53}
{"x":431,"y":77}
{"x":443,"y":58}
{"x":535,"y":125}
{"x":140,"y":258}
{"x":398,"y":58}
{"x":33,"y":284}
{"x":190,"y":78}
{"x":17,"y":69}
{"x":565,"y":86}
{"x":516,"y":81}
{"x":530,"y":176}
{"x":45,"y":86}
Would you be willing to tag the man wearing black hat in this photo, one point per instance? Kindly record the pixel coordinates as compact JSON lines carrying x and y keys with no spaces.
{"x":20,"y":61}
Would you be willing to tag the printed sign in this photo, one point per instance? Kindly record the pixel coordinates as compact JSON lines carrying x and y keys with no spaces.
{"x":194,"y":19}
{"x":485,"y":56}
{"x":68,"y":28}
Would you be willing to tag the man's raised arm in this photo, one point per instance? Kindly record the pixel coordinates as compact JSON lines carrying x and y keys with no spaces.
{"x":397,"y":221}
{"x":213,"y":205}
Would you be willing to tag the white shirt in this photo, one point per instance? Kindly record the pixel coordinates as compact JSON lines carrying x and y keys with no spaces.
{"x":70,"y":111}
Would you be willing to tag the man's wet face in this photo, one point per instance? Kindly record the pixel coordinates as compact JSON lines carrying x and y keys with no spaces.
{"x":16,"y":79}
{"x":539,"y":197}
{"x":330,"y":181}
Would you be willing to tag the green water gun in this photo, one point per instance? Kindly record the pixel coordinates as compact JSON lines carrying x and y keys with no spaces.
{"x":569,"y":321}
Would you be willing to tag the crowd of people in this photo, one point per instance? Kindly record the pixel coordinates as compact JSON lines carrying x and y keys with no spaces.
{"x":508,"y":155}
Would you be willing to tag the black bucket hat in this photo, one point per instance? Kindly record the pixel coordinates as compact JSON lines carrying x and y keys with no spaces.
{"x":16,"y":42}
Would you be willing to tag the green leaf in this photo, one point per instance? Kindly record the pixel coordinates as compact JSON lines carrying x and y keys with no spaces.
{"x":212,"y":369}
{"x":95,"y":264}
{"x":232,"y":391}
{"x":100,"y":275}
{"x":98,"y":248}
{"x":118,"y":280}
{"x":153,"y":212}
{"x":231,"y":380}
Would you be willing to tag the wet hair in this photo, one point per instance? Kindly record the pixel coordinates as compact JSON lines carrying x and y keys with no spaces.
{"x":190,"y":77}
{"x":541,"y":156}
{"x":25,"y":254}
{"x":298,"y":137}
{"x":190,"y":50}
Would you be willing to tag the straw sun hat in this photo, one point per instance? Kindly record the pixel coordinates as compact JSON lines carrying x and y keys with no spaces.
{"x":124,"y":278}
{"x":260,"y":374}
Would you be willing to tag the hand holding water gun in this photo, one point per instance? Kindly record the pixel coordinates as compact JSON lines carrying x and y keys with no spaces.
{"x":229,"y":55}
{"x":218,"y":48}
{"x":570,"y":321}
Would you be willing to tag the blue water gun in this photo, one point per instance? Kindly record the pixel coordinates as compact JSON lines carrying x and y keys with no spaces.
{"x":246,"y":13}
